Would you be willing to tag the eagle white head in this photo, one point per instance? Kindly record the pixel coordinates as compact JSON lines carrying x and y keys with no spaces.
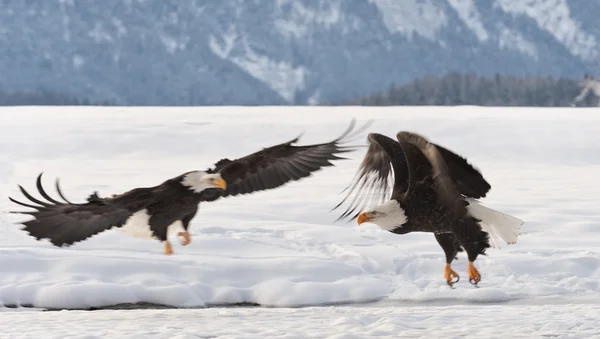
{"x":198,"y":181}
{"x":387,"y":216}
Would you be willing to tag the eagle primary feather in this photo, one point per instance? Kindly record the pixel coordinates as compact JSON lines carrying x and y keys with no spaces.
{"x":274,"y":166}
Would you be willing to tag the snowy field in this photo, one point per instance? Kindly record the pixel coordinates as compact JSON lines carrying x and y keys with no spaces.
{"x":281,"y":249}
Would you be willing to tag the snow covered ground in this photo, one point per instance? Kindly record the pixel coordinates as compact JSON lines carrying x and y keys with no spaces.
{"x":281,"y":248}
{"x":555,"y":321}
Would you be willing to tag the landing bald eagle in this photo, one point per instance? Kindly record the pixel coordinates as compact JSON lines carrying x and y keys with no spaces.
{"x":155,"y":212}
{"x":432,"y":190}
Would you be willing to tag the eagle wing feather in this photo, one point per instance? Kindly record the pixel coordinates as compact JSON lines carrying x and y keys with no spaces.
{"x":443,"y":184}
{"x":65,"y":223}
{"x":469,"y":181}
{"x":382,"y":175}
{"x":277,"y":165}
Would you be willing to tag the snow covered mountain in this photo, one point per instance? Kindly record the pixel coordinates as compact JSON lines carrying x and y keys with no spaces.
{"x":194,"y":52}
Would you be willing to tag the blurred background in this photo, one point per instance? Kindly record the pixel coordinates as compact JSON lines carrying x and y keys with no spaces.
{"x":299,"y":52}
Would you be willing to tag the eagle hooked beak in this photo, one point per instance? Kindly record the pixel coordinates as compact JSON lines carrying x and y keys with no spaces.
{"x":362,"y":218}
{"x":220,"y":183}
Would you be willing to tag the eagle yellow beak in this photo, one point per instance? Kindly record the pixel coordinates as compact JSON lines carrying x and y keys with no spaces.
{"x":220,"y":183}
{"x":362,"y":218}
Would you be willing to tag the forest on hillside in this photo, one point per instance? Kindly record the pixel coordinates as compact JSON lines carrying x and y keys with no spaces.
{"x":471,"y":89}
{"x":451,"y":89}
{"x":45,"y":98}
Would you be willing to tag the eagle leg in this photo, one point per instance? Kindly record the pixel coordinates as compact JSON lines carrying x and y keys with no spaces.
{"x":186,"y":238}
{"x":451,"y":247}
{"x":474,"y":276}
{"x":450,"y":274}
{"x":168,"y":248}
{"x":470,"y":236}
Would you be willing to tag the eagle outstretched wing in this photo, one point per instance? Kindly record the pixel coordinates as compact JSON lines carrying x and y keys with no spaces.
{"x":65,"y":223}
{"x":275,"y":166}
{"x":381,"y":175}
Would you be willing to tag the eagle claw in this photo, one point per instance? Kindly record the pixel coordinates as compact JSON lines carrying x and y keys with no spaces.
{"x":184,"y":238}
{"x":474,"y":276}
{"x":451,"y":282}
{"x":450,"y":274}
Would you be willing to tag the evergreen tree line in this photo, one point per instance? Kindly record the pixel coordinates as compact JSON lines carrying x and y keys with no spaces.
{"x":45,"y":98}
{"x":451,"y":89}
{"x":471,"y":89}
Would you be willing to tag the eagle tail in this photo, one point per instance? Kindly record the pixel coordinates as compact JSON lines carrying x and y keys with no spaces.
{"x":497,"y":224}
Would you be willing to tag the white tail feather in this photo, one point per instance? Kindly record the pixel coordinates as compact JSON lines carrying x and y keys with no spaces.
{"x":496,"y":223}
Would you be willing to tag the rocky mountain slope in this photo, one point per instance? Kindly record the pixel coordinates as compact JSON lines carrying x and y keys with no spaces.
{"x":193,"y":52}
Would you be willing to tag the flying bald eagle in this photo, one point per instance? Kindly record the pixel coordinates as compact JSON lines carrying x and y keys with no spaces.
{"x":432,"y":190}
{"x":159,"y":211}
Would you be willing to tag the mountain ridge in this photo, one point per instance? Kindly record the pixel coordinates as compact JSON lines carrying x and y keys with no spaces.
{"x":278,"y":52}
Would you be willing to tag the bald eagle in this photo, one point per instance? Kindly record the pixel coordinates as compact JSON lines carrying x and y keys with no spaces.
{"x":432,"y":190}
{"x":160,"y":211}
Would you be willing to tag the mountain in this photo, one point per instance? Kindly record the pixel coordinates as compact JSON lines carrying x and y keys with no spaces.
{"x":264,"y":52}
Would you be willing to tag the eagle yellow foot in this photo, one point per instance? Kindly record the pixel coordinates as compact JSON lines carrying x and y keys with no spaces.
{"x":449,"y":274}
{"x":168,"y":248}
{"x":474,"y":276}
{"x":186,"y":238}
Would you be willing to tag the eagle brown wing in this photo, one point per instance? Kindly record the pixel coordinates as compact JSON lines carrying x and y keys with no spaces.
{"x":443,"y":184}
{"x":404,"y":161}
{"x":65,"y":223}
{"x":382,"y":175}
{"x":277,"y":165}
{"x":469,"y":181}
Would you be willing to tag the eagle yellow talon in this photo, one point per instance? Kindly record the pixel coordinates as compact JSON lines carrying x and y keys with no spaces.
{"x":474,"y":276}
{"x":450,"y":274}
{"x":186,"y":238}
{"x":168,"y":248}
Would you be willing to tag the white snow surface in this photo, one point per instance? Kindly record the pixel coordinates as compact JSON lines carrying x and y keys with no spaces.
{"x":457,"y":321}
{"x":281,"y":248}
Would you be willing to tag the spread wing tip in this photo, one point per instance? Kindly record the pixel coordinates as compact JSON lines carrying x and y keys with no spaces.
{"x":277,"y":165}
{"x":40,"y":204}
{"x":348,"y":135}
{"x":373,"y":181}
{"x":64,"y":224}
